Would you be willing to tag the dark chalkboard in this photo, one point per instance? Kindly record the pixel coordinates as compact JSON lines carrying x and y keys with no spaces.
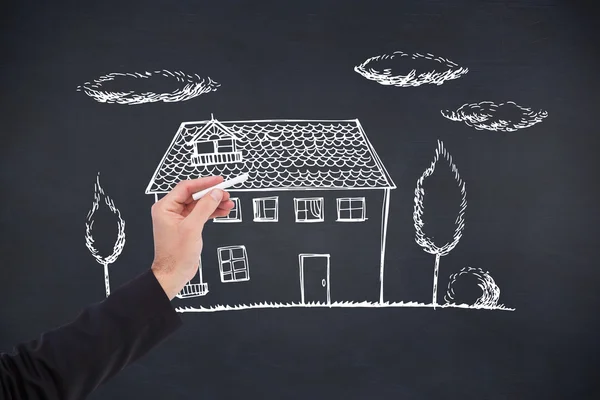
{"x":420,"y":219}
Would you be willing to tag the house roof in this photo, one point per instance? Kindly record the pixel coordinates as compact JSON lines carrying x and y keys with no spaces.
{"x":278,"y":155}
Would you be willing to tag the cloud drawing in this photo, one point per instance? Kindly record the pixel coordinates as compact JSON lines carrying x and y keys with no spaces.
{"x":148,"y":87}
{"x":503,"y":117}
{"x":405,"y":70}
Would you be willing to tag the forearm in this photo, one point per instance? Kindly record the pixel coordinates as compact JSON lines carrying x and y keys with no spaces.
{"x":71,"y":361}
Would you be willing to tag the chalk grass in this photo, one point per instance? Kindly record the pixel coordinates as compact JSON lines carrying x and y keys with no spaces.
{"x":338,"y":304}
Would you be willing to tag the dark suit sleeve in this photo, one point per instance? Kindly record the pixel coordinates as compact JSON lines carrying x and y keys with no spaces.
{"x":71,"y":361}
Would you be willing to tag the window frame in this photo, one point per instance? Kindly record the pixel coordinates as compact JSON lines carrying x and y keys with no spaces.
{"x":231,"y":261}
{"x":256,"y":209}
{"x":308,"y":211}
{"x":363,"y":208}
{"x":238,"y":210}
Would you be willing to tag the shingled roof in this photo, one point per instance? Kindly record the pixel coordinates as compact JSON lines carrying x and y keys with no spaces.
{"x":280,"y":155}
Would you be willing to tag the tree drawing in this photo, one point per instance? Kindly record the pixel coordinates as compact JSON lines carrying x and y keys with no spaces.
{"x":421,"y":238}
{"x":89,"y":239}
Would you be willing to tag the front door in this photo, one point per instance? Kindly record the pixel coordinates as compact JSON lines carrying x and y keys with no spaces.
{"x":314,"y":278}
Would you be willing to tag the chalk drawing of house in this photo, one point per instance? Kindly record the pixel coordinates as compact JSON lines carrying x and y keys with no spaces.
{"x":309,"y":225}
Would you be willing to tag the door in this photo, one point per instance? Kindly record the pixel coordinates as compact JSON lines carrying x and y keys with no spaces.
{"x":314,"y":278}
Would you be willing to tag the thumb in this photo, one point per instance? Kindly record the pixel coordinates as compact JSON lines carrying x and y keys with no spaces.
{"x":206,"y":206}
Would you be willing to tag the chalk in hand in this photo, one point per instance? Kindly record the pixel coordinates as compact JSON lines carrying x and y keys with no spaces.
{"x":222,"y":185}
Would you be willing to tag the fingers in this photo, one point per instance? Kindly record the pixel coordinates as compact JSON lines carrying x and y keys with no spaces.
{"x":182,"y":193}
{"x":220,"y":213}
{"x":223,"y":209}
{"x":205,"y":207}
{"x":225,"y":197}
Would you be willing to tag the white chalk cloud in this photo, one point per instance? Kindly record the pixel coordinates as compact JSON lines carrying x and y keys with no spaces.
{"x":179,"y":86}
{"x":405,"y":70}
{"x":502,"y":117}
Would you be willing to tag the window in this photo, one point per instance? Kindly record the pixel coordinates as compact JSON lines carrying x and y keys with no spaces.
{"x":224,"y":146}
{"x":309,"y":209}
{"x":215,"y":146}
{"x":235,"y":215}
{"x":266,"y":209}
{"x":205,"y":147}
{"x":351,"y":209}
{"x":233,"y":264}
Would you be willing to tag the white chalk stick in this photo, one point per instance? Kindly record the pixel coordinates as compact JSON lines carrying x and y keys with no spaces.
{"x":222,"y":185}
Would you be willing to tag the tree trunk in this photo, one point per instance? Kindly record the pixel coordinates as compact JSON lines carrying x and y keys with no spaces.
{"x":106,"y":281}
{"x":436,"y":271}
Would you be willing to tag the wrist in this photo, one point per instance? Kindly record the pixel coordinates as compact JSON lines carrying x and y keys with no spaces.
{"x":168,"y":278}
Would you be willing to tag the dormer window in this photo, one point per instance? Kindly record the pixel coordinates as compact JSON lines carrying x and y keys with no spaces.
{"x":214,"y":144}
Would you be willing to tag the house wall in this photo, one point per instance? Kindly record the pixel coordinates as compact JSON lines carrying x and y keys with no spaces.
{"x":273,"y":249}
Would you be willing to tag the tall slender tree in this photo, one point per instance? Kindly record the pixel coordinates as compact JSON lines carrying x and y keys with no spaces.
{"x":89,"y":224}
{"x":421,"y":238}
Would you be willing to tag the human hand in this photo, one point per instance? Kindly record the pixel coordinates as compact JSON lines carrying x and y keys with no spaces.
{"x":177,"y":223}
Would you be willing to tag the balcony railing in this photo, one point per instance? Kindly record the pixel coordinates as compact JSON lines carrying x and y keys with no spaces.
{"x":193,"y":290}
{"x":216,"y":158}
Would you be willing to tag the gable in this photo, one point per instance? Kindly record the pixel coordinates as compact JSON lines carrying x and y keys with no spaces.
{"x":213,"y":130}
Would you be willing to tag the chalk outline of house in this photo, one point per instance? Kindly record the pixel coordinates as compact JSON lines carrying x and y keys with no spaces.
{"x":216,"y":128}
{"x":235,"y":156}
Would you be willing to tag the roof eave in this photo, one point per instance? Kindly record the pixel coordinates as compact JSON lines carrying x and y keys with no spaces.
{"x":388,"y":178}
{"x":291,"y":189}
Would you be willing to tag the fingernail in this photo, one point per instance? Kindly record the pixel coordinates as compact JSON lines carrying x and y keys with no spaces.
{"x":216,"y":194}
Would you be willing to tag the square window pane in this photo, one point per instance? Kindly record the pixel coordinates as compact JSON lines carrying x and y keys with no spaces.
{"x":240,"y":275}
{"x":225,"y":255}
{"x":237,"y":253}
{"x":355,"y":203}
{"x":227,"y":277}
{"x":239,"y":265}
{"x":356,"y":214}
{"x":270,"y":203}
{"x":226,"y":267}
{"x":270,"y":214}
{"x":345,"y":214}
